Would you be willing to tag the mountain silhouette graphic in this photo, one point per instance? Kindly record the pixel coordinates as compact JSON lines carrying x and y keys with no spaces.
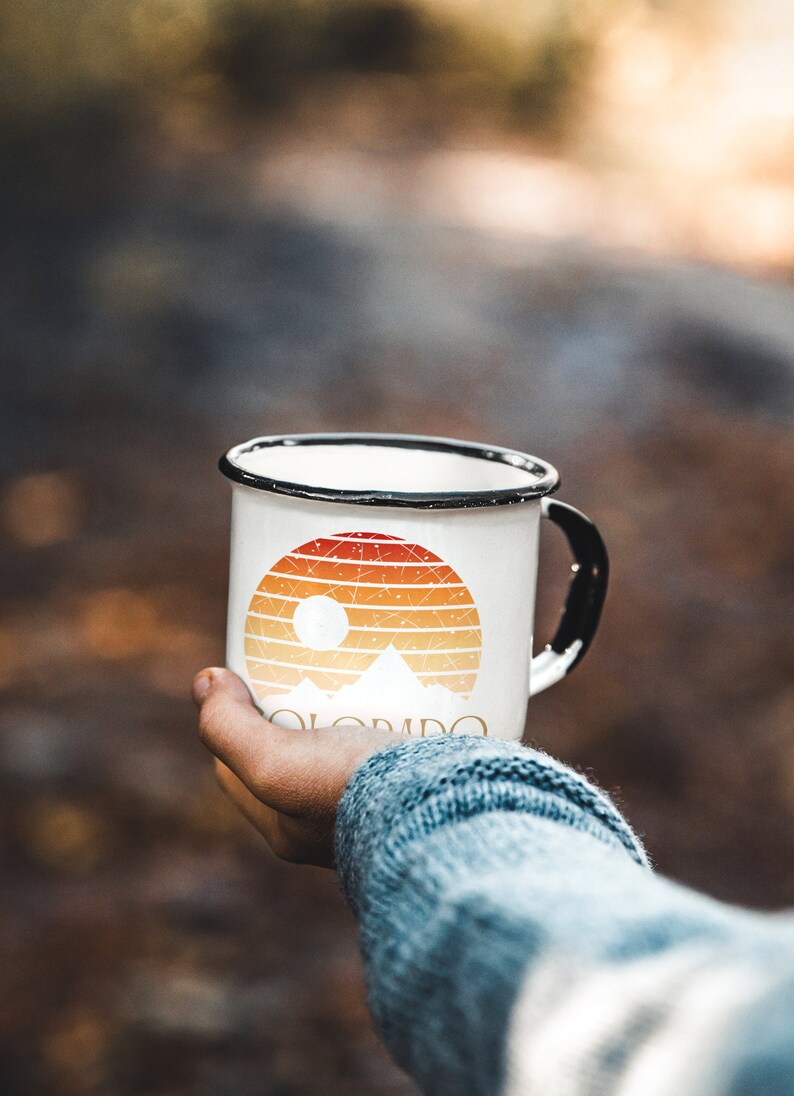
{"x":388,"y":685}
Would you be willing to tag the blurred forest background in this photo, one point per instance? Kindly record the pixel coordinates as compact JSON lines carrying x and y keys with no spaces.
{"x":565,"y":226}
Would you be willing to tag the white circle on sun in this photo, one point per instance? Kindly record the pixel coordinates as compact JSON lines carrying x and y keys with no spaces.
{"x":320,"y":622}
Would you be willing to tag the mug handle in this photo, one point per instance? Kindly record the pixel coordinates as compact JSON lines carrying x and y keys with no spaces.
{"x":584,"y":602}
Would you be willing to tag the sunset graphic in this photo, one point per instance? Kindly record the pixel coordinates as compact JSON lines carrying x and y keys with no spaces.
{"x":334,"y":607}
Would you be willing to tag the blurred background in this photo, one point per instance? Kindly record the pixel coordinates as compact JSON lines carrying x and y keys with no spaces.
{"x":565,"y":226}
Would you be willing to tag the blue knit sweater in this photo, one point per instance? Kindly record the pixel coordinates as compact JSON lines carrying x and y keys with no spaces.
{"x":517,"y":942}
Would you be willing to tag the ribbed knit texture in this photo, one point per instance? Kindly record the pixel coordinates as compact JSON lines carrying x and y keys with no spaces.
{"x":515,"y":939}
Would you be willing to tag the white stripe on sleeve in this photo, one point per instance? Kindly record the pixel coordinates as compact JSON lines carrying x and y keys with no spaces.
{"x":645,"y":1027}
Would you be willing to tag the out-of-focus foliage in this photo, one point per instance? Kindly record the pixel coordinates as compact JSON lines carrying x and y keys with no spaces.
{"x":681,"y":116}
{"x":511,"y":70}
{"x":78,"y":78}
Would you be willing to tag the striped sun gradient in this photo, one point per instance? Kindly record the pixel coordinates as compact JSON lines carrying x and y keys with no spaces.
{"x":393,"y":592}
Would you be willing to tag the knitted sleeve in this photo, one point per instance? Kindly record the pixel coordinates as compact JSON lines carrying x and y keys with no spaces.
{"x":516,"y":941}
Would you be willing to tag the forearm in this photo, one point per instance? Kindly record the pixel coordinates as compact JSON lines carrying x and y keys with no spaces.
{"x":512,"y":932}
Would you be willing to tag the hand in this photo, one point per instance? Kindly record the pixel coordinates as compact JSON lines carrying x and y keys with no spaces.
{"x":287,"y":783}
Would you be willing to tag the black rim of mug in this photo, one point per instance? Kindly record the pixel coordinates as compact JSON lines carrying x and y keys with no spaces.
{"x":546,"y":482}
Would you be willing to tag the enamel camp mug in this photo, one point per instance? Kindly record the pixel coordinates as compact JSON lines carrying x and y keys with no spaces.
{"x":389,"y":581}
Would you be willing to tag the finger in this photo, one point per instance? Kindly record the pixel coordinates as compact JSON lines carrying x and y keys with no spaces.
{"x":289,"y":839}
{"x":258,"y":814}
{"x":266,"y":758}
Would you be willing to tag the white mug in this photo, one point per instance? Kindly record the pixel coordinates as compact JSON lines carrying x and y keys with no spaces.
{"x":389,"y":581}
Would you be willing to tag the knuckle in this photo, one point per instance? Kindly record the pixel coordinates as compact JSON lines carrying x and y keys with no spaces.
{"x":284,"y":845}
{"x":289,"y":855}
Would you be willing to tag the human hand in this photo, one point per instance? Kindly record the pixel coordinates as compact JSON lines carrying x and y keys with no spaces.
{"x":287,"y":783}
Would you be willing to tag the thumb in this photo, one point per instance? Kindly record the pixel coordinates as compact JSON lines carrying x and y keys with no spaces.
{"x":219,"y":681}
{"x":262,"y":755}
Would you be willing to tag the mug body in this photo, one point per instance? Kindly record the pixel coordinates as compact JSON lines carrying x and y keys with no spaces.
{"x":414,"y":618}
{"x":414,"y":621}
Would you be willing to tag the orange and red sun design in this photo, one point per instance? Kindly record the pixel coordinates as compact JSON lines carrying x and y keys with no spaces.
{"x":328,"y":609}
